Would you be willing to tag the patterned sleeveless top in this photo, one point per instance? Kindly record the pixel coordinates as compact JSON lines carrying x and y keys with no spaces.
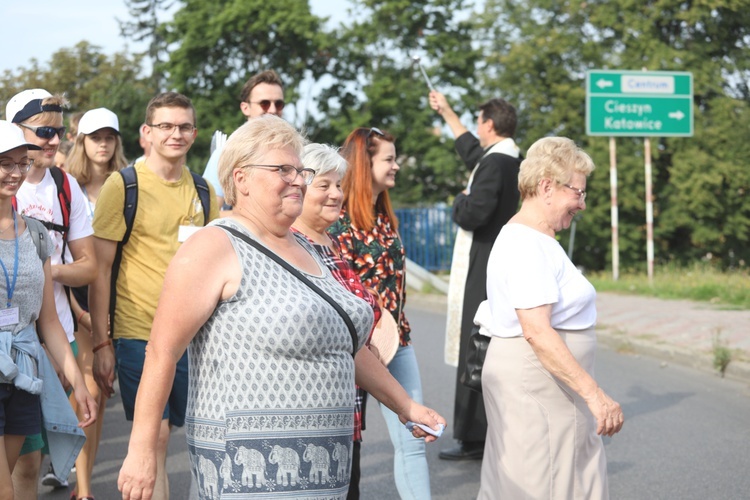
{"x":271,"y":395}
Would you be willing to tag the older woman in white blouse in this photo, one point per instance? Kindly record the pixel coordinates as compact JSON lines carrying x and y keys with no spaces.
{"x":546,"y":412}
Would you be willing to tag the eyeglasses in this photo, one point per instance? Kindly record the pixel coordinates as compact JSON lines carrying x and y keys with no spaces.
{"x":45,"y":132}
{"x":8,"y":166}
{"x":265,"y":104}
{"x":289,"y":173}
{"x":581,"y":192}
{"x":185,"y":128}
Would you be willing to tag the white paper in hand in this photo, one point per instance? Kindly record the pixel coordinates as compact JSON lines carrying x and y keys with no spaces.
{"x":437,"y":433}
{"x":218,"y":140}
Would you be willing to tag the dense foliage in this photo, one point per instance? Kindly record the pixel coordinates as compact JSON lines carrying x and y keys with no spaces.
{"x":535,"y":53}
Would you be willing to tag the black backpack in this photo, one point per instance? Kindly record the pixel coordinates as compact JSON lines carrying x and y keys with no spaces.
{"x":130,"y":180}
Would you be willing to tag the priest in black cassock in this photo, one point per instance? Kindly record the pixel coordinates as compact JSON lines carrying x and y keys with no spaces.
{"x":481,"y":210}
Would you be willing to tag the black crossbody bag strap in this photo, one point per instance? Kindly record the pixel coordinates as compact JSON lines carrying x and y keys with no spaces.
{"x":302,"y":278}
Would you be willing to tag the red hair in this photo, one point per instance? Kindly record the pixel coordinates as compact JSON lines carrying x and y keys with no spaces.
{"x":358,"y":150}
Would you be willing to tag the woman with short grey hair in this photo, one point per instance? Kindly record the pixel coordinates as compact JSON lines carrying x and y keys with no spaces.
{"x":546,"y":412}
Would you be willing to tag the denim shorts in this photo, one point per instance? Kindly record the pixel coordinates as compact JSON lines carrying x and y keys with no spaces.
{"x":38,"y":441}
{"x":20,"y":412}
{"x":130,"y":355}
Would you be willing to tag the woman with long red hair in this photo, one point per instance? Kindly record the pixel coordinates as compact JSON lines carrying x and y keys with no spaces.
{"x":367,"y":231}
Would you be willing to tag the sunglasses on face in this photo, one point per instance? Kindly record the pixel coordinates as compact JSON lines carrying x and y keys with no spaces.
{"x":45,"y":132}
{"x":265,"y":104}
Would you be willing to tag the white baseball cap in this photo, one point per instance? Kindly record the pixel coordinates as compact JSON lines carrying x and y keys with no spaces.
{"x":11,"y":137}
{"x":28,"y":103}
{"x":97,"y":119}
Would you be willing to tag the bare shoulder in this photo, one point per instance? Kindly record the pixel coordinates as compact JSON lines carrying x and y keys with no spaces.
{"x":210,"y":243}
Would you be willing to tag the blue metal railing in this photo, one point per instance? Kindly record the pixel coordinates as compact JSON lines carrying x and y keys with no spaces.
{"x":428,"y":235}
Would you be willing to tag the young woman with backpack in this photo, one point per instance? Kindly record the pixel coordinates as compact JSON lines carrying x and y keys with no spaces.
{"x":30,"y":393}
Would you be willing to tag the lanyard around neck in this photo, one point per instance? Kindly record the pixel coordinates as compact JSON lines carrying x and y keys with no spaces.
{"x":12,"y":286}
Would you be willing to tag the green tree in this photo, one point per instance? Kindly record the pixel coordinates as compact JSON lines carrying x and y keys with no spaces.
{"x":216,"y":46}
{"x":538,"y":51}
{"x":376,"y":83}
{"x":90,"y":79}
{"x":145,"y":26}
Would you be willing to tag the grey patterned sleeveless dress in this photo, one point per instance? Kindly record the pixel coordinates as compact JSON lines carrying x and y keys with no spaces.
{"x":271,"y":395}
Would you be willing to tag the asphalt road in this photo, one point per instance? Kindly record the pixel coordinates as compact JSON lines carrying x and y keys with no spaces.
{"x":686,"y":435}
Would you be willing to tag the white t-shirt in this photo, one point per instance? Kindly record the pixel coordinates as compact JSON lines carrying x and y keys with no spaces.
{"x":41,"y":202}
{"x":527,"y":269}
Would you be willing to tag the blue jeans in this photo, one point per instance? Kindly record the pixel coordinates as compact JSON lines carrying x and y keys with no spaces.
{"x":131,"y":355}
{"x":409,"y":461}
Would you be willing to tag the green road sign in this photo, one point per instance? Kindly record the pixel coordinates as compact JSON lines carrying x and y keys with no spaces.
{"x":639,"y":103}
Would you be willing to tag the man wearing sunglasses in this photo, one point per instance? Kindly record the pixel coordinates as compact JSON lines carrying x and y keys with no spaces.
{"x":481,"y":210}
{"x":39,"y":114}
{"x":262,"y":94}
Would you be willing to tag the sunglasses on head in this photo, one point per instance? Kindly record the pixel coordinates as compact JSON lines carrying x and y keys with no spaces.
{"x":265,"y":104}
{"x":45,"y":132}
{"x":371,"y":132}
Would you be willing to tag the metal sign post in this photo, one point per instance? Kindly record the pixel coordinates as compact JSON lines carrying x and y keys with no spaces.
{"x":649,"y":210}
{"x":614,"y":212}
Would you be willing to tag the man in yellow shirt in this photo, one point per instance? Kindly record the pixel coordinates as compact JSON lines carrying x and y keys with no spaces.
{"x":168,"y":211}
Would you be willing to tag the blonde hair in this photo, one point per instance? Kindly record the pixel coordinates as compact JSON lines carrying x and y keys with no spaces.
{"x":47,"y":116}
{"x":79,"y":165}
{"x":250,"y":142}
{"x":555,"y":158}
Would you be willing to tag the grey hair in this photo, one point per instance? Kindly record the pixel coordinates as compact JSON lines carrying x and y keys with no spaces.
{"x":323,"y":159}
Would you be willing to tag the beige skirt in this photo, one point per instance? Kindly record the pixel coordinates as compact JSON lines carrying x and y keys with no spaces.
{"x":541,"y":440}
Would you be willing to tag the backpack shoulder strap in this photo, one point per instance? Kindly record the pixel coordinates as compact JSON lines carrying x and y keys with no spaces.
{"x":130,"y":180}
{"x":39,"y":236}
{"x":130,"y":205}
{"x":204,"y":194}
{"x":63,"y":195}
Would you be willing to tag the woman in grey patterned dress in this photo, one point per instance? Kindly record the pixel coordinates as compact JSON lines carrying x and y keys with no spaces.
{"x":271,"y":394}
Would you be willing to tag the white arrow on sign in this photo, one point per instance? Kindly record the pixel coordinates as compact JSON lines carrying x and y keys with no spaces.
{"x":677,"y":115}
{"x":602,"y":83}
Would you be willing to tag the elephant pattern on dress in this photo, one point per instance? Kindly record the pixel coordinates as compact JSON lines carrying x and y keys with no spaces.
{"x":253,"y":467}
{"x":262,"y":467}
{"x":225,"y":472}
{"x":320,"y":463}
{"x":288,"y":463}
{"x":341,"y":455}
{"x":210,"y":477}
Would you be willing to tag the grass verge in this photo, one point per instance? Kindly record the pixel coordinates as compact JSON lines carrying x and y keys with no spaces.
{"x":699,"y":282}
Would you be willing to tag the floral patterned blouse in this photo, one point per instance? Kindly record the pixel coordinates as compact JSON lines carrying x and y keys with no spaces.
{"x":379,"y":257}
{"x":349,"y":279}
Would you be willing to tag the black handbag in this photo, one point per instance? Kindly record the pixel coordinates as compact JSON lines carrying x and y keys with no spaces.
{"x":475,"y":353}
